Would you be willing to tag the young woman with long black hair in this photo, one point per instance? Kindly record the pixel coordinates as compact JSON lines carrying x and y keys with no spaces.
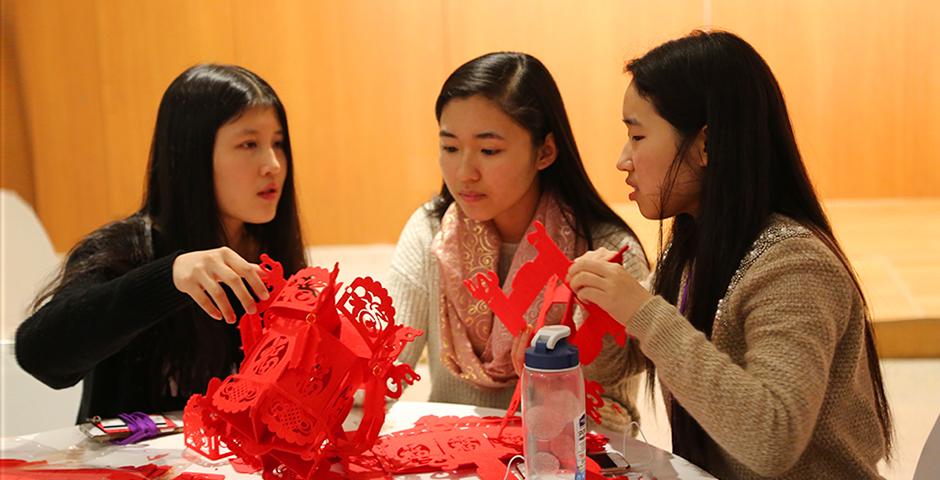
{"x":756,"y":324}
{"x":508,"y":158}
{"x":134,"y":311}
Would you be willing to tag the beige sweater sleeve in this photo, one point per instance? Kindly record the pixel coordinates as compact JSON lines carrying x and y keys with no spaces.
{"x":794,"y":303}
{"x":615,"y":363}
{"x":405,"y":282}
{"x":616,"y":367}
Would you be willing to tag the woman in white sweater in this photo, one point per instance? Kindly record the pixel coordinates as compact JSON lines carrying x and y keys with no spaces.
{"x":508,"y":158}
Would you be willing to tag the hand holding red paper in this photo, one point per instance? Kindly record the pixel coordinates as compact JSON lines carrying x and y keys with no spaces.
{"x":595,"y":280}
{"x":200,"y":275}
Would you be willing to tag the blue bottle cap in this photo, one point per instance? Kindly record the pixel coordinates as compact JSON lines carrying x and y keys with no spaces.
{"x":550,"y":350}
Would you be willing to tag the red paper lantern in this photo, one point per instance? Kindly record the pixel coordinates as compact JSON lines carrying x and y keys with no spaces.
{"x":307,"y":353}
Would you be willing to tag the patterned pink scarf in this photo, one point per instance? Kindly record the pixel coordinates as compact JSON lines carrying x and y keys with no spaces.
{"x":474,"y":345}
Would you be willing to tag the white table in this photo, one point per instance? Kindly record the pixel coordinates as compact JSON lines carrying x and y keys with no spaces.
{"x":70,"y":443}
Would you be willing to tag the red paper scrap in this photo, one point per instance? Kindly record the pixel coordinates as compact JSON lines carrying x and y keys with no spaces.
{"x":199,"y":476}
{"x":21,"y":470}
{"x":450,"y":444}
{"x":596,"y":442}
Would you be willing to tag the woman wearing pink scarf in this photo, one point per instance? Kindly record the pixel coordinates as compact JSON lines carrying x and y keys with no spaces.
{"x":508,"y":158}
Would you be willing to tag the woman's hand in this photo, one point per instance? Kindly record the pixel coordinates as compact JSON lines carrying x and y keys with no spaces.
{"x":596,"y":280}
{"x":200,"y":275}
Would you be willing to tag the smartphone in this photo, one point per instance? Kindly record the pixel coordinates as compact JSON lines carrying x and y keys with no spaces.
{"x":611,"y":463}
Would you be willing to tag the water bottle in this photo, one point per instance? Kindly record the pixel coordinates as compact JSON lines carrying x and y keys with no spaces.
{"x":553,"y":407}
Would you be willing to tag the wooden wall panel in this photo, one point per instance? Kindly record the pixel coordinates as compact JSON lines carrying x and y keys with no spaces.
{"x":862,"y":81}
{"x":16,"y":162}
{"x":584,"y":46}
{"x":359,"y":79}
{"x":60,"y":78}
{"x":92,"y":86}
{"x":157,"y":41}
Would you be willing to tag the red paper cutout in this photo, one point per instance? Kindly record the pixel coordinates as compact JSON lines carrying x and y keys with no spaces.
{"x":448,"y":444}
{"x":592,"y":469}
{"x":549,"y":265}
{"x":241,"y":467}
{"x":365,"y":466}
{"x":442,"y":444}
{"x":529,"y":281}
{"x":19,"y":463}
{"x":554,"y":293}
{"x":593,"y":400}
{"x":195,"y":436}
{"x":307,"y":352}
{"x":20,"y":470}
{"x":595,"y":442}
{"x":199,"y":476}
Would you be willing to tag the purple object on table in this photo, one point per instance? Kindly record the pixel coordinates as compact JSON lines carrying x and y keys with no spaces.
{"x":140,"y":425}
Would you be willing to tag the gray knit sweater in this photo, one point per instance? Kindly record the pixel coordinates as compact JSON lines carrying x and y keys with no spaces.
{"x":413,"y":283}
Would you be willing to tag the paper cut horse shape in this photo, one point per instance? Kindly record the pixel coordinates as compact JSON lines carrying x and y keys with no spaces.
{"x":548,"y":270}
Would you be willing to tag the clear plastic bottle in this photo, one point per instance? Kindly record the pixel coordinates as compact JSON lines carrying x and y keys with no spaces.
{"x":553,"y":416}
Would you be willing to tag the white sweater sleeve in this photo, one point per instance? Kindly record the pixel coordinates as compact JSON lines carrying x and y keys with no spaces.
{"x":407,"y":281}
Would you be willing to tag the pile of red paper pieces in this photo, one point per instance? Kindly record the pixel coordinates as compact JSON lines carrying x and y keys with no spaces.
{"x":441,"y":444}
{"x":447,"y":444}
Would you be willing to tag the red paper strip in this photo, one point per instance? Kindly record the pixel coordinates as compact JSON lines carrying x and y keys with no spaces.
{"x":19,"y":470}
{"x":199,"y":476}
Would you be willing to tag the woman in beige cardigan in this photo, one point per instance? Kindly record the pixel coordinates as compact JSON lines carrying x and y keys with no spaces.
{"x":756,"y":324}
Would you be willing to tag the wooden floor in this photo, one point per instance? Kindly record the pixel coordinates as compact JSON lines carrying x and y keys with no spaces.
{"x":894,"y":245}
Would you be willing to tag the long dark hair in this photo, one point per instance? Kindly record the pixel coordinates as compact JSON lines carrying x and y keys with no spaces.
{"x":180,"y":206}
{"x":524,"y":89}
{"x":718,"y":80}
{"x":180,"y":194}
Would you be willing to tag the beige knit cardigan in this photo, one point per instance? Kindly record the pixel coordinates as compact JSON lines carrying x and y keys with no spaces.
{"x":783,"y":386}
